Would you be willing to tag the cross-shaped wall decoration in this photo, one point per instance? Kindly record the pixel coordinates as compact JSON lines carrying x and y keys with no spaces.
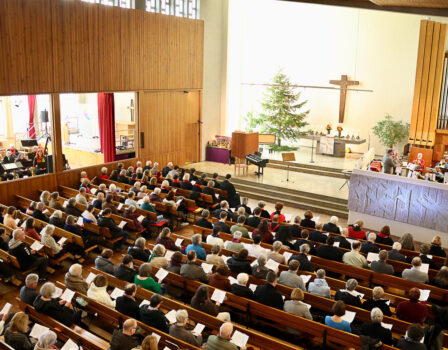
{"x":343,"y":83}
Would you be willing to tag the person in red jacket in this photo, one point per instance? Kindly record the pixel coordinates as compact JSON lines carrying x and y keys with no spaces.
{"x":104,"y":173}
{"x":356,"y":231}
{"x":412,"y":310}
{"x":278,"y":211}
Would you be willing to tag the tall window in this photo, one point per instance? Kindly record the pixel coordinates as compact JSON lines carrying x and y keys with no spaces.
{"x":180,"y":8}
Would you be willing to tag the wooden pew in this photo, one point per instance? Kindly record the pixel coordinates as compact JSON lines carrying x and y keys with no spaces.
{"x":79,"y":335}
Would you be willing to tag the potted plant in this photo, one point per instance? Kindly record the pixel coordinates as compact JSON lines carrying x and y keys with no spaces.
{"x":390,"y":132}
{"x":339,"y":129}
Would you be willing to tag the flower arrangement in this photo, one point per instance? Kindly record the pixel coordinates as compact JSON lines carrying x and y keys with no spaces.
{"x":328,"y":127}
{"x":339,"y":128}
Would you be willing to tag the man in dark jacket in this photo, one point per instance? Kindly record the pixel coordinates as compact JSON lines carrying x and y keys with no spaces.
{"x":167,"y":169}
{"x":369,"y":245}
{"x":304,"y":240}
{"x":211,"y":191}
{"x":316,"y":235}
{"x":232,"y":196}
{"x":123,"y":339}
{"x":349,"y":295}
{"x":381,"y":266}
{"x":125,"y":271}
{"x":223,"y":206}
{"x":329,"y":251}
{"x":268,"y":294}
{"x":38,"y":213}
{"x":223,"y":227}
{"x":284,"y":235}
{"x":204,"y":220}
{"x":71,"y":209}
{"x":241,"y":289}
{"x":255,"y":219}
{"x":332,"y":226}
{"x":27,"y":258}
{"x":28,"y":292}
{"x":342,"y":239}
{"x":105,"y":220}
{"x":302,"y":257}
{"x":394,"y":253}
{"x":126,"y":303}
{"x":152,"y":316}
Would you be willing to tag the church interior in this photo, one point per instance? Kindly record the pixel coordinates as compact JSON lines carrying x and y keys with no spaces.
{"x":223,"y":174}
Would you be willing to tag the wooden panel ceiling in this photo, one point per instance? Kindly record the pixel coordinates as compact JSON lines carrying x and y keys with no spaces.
{"x":413,"y":3}
{"x":404,"y":6}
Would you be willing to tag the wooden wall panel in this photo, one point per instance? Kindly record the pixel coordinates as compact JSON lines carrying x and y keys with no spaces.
{"x":169,"y":121}
{"x":428,"y":81}
{"x":73,"y":46}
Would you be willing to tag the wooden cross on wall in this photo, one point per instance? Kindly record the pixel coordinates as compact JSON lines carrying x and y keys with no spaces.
{"x":343,"y":83}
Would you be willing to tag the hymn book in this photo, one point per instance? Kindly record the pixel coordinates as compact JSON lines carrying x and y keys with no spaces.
{"x":239,"y":339}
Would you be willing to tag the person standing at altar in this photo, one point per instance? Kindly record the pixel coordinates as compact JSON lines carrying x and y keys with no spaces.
{"x":388,"y":162}
{"x":232,"y":196}
{"x":420,"y":162}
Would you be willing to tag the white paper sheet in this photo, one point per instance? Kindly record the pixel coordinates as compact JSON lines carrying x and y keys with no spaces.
{"x":36,"y":246}
{"x":17,"y":221}
{"x":70,"y":345}
{"x":316,"y":219}
{"x":171,"y":316}
{"x":120,"y":206}
{"x":305,"y":278}
{"x":179,"y":242}
{"x":336,"y":244}
{"x":287,"y":256}
{"x":6,"y":309}
{"x":424,"y":294}
{"x":169,"y":254}
{"x":38,"y":330}
{"x":424,"y":268}
{"x":207,"y":267}
{"x":80,"y":221}
{"x":161,"y":274}
{"x":225,"y":258}
{"x":272,"y":265}
{"x":64,"y":205}
{"x":67,"y":295}
{"x":288,"y":217}
{"x":309,"y":257}
{"x":140,"y":202}
{"x":144,"y":302}
{"x":253,"y":263}
{"x":122,"y":224}
{"x":62,"y":240}
{"x":386,"y":325}
{"x":429,"y":256}
{"x":45,"y":211}
{"x":117,"y":292}
{"x":239,"y":339}
{"x":358,"y":294}
{"x":140,"y":218}
{"x":157,"y":336}
{"x":90,"y":277}
{"x":373,"y":256}
{"x":349,"y":316}
{"x":253,"y":287}
{"x":218,"y":295}
{"x":198,"y":329}
{"x":232,"y":280}
{"x":93,"y":190}
{"x":23,"y":224}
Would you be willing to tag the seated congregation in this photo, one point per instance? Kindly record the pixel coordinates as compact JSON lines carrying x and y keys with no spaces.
{"x":181,"y":261}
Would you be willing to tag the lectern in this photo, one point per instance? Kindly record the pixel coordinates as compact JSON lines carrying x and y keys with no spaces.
{"x":243,"y":144}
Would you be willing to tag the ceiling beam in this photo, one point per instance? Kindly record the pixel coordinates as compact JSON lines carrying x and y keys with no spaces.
{"x":368,"y":5}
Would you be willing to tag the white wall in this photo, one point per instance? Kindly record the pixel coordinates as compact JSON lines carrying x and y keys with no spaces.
{"x":316,"y":43}
{"x":214,"y":14}
{"x":122,"y":103}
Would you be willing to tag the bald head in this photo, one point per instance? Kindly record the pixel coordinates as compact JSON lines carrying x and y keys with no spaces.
{"x":129,"y":326}
{"x":226,"y":330}
{"x":18,"y":234}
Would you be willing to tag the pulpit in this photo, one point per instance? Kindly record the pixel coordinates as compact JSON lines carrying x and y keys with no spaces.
{"x":243,"y":143}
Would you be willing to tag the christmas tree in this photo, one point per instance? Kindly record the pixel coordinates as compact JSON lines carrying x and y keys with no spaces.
{"x":282,"y":116}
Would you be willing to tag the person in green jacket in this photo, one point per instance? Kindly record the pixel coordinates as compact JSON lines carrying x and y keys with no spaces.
{"x":147,"y":206}
{"x":222,"y":341}
{"x":143,"y":279}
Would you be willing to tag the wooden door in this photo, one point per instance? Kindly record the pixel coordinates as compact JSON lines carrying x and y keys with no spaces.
{"x":168,"y":126}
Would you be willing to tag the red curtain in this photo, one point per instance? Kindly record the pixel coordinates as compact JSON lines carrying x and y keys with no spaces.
{"x":106,"y":120}
{"x":31,"y":106}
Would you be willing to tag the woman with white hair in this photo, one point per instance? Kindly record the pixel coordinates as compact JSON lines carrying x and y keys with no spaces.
{"x":157,"y":258}
{"x":240,"y":288}
{"x":104,"y":172}
{"x":377,"y":301}
{"x":375,"y":330}
{"x":155,"y":195}
{"x":74,"y":281}
{"x":349,"y":295}
{"x":319,"y":286}
{"x":186,"y":184}
{"x":235,"y":244}
{"x":56,"y":219}
{"x":164,"y":186}
{"x":56,"y":308}
{"x":332,"y":226}
{"x":259,"y":270}
{"x":179,"y":331}
{"x":275,"y":253}
{"x":139,"y":251}
{"x":47,"y":341}
{"x":59,"y":249}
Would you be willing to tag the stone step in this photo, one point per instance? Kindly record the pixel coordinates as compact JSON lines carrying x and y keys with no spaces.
{"x":306,"y":165}
{"x":296,"y":167}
